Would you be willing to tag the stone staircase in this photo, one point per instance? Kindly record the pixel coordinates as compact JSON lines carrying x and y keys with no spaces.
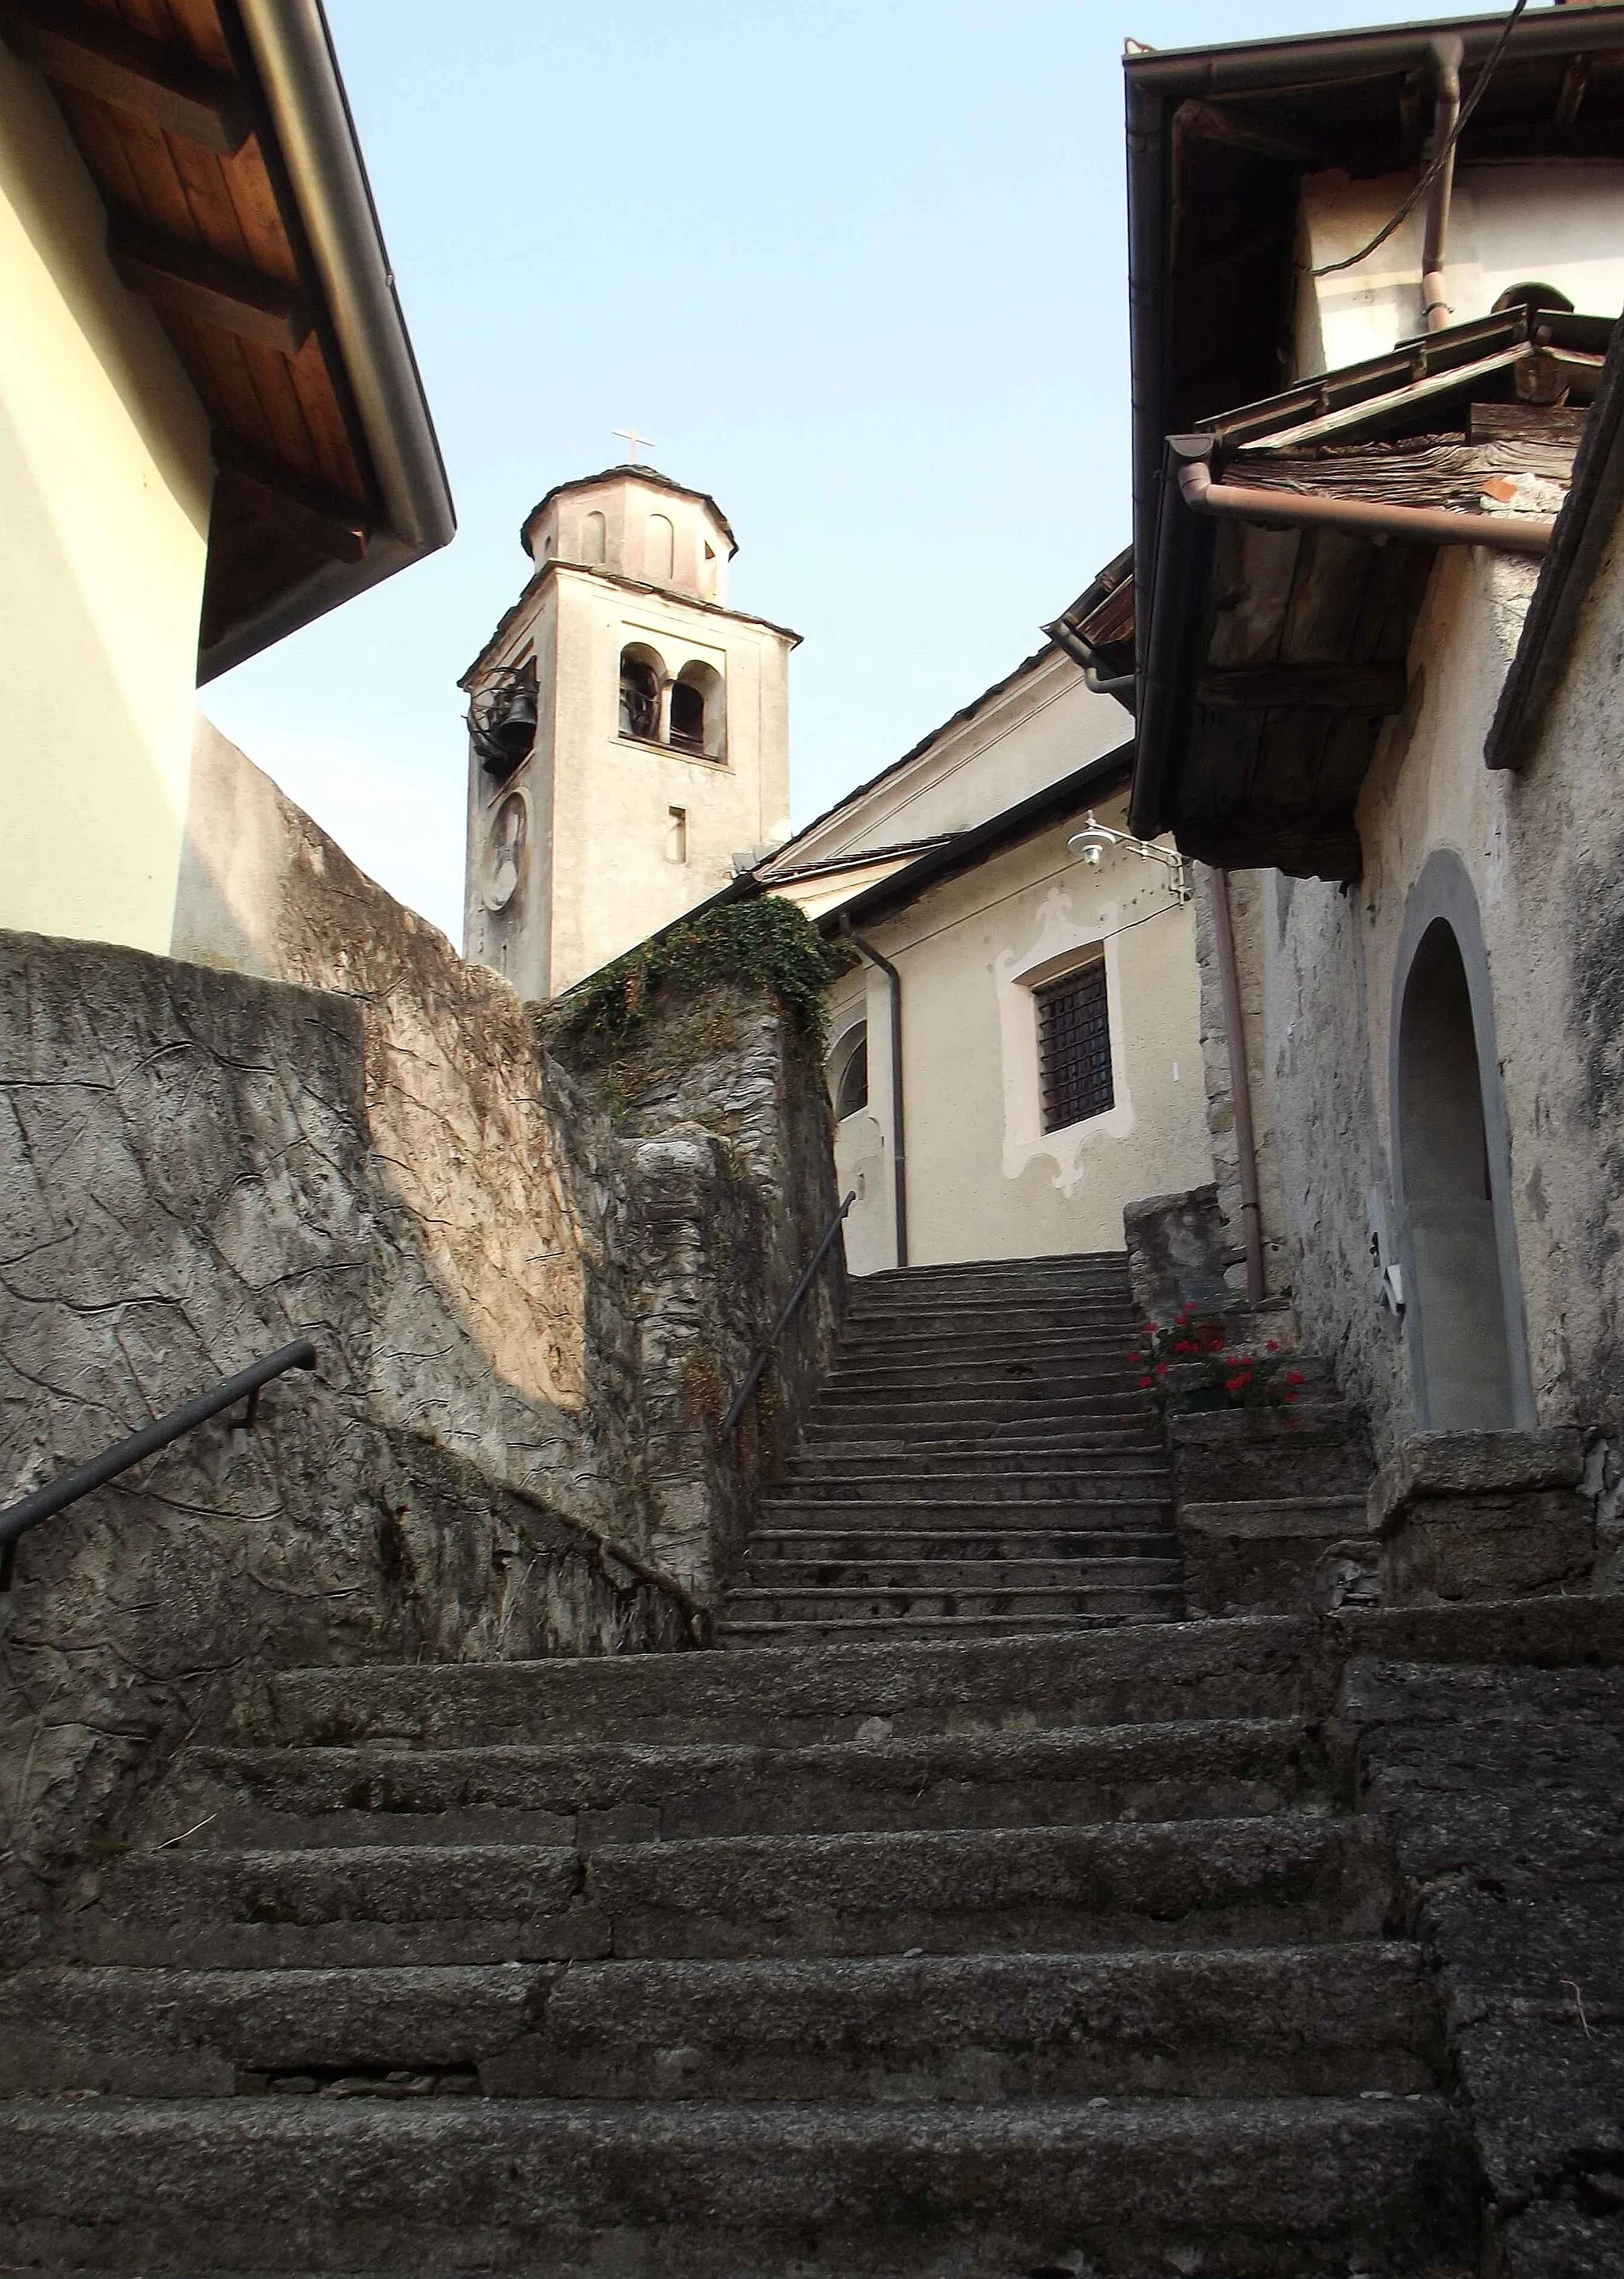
{"x":943,"y":1958}
{"x":982,"y":1461}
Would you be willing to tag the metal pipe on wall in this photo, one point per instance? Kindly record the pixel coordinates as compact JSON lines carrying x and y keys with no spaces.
{"x":1423,"y":526}
{"x":1240,"y":1084}
{"x":1447,"y":55}
{"x":899,"y":1123}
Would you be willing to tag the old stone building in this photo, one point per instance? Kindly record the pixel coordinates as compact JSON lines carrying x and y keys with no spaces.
{"x":1332,"y":579}
{"x":631,"y":731}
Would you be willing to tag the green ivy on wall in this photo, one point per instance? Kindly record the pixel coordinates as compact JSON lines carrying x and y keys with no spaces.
{"x":767,"y":943}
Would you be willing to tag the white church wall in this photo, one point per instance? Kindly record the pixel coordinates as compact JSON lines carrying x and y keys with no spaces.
{"x":984,"y":1179}
{"x":1043,"y":726}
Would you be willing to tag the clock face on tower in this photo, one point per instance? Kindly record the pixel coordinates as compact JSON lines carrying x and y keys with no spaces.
{"x":510,"y":827}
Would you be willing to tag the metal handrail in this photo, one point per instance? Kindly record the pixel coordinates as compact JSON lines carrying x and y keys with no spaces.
{"x":736,"y":1407}
{"x":68,"y":1487}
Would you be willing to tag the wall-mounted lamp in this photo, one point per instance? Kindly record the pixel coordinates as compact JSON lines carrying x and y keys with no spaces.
{"x":502,"y":717}
{"x":1091,"y":841}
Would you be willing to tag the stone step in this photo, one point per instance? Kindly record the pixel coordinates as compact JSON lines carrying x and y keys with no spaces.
{"x":852,"y":1414}
{"x":1260,"y":1667}
{"x":1308,"y":2020}
{"x":1073,"y":1264}
{"x":859,"y":1470}
{"x":1101,"y":1597}
{"x":1128,"y":1421}
{"x":581,"y":2189}
{"x":735,"y":1635}
{"x":1070,"y":1369}
{"x":941,"y":1336}
{"x":987,"y":2028}
{"x":860,"y":1544}
{"x":590,"y":1793}
{"x":774,"y":1571}
{"x":882,"y":1320}
{"x":939,"y":1511}
{"x":1265,"y":1881}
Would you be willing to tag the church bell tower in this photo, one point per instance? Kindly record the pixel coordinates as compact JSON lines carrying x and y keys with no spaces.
{"x":629,"y":732}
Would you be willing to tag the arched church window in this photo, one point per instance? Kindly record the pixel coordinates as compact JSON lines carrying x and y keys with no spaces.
{"x":595,"y":537}
{"x":640,"y":694}
{"x":851,"y":1071}
{"x":696,"y":710}
{"x":662,"y":557}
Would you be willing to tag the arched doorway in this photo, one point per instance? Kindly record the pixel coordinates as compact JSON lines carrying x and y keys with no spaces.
{"x":1467,"y":1369}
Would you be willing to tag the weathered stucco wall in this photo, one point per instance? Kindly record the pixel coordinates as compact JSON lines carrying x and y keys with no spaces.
{"x":1543,"y":853}
{"x":488,"y":1351}
{"x":1248,"y":920}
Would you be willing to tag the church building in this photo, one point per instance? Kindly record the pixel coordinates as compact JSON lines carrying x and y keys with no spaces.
{"x":629,"y":733}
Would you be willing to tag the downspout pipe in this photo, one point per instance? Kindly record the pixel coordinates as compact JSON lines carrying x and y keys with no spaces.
{"x":1422,"y":525}
{"x":1120,"y":685}
{"x":898,"y":1148}
{"x":1240,"y":1085}
{"x":1447,"y":55}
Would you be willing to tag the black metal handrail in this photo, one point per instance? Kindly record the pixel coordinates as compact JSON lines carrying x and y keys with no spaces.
{"x":753,"y":1377}
{"x":68,"y":1487}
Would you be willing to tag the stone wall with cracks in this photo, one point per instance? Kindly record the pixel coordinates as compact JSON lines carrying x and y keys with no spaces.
{"x":533,"y":1287}
{"x":187,"y":1179}
{"x":707,"y":1173}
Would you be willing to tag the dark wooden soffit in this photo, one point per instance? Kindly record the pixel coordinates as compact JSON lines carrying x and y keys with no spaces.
{"x":163,"y":101}
{"x":1277,"y":656}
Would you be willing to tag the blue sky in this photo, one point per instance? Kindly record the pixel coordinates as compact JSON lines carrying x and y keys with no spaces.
{"x":857,"y":266}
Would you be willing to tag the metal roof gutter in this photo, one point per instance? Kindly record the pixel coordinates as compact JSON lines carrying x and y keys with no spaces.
{"x":1584,"y":529}
{"x":1422,"y":525}
{"x":1252,"y":66}
{"x":304,"y":92}
{"x":1166,"y":659}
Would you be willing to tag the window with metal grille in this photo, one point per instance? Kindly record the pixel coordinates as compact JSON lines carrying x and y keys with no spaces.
{"x":1074,"y":1048}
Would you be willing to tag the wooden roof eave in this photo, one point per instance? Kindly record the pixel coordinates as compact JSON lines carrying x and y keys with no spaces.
{"x":309,"y":116}
{"x":238,"y":208}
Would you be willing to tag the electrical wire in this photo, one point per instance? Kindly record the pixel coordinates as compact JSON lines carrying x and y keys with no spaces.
{"x":1441,"y":158}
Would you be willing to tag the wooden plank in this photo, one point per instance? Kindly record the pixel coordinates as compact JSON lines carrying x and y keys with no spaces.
{"x":1379,"y":687}
{"x":272,"y":377}
{"x":1390,"y":408}
{"x":1253,"y":579}
{"x":215,"y":291}
{"x":198,"y":24}
{"x":337,"y":455}
{"x":246,"y":182}
{"x":1525,"y":423}
{"x":87,"y":49}
{"x":312,"y":515}
{"x":1324,"y":607}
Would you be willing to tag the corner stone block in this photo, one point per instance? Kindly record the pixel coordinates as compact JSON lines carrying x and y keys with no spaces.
{"x":1484,"y":1515}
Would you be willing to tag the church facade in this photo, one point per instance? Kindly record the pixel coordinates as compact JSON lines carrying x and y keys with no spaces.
{"x":629,"y":740}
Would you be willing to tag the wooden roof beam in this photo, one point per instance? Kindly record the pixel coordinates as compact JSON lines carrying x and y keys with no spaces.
{"x":332,"y":526}
{"x":91,"y":50}
{"x":1368,"y":688}
{"x":214,"y":291}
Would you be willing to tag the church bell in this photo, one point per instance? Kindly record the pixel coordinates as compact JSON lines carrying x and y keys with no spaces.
{"x":502,"y":720}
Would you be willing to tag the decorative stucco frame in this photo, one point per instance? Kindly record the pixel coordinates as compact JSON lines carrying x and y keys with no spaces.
{"x":1444,"y":890}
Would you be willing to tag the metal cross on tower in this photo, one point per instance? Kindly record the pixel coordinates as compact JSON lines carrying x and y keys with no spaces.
{"x":630,"y":435}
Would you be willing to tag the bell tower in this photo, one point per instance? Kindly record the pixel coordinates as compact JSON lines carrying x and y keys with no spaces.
{"x":629,"y":733}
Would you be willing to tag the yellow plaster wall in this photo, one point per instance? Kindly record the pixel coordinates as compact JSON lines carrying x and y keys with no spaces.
{"x":105,"y":479}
